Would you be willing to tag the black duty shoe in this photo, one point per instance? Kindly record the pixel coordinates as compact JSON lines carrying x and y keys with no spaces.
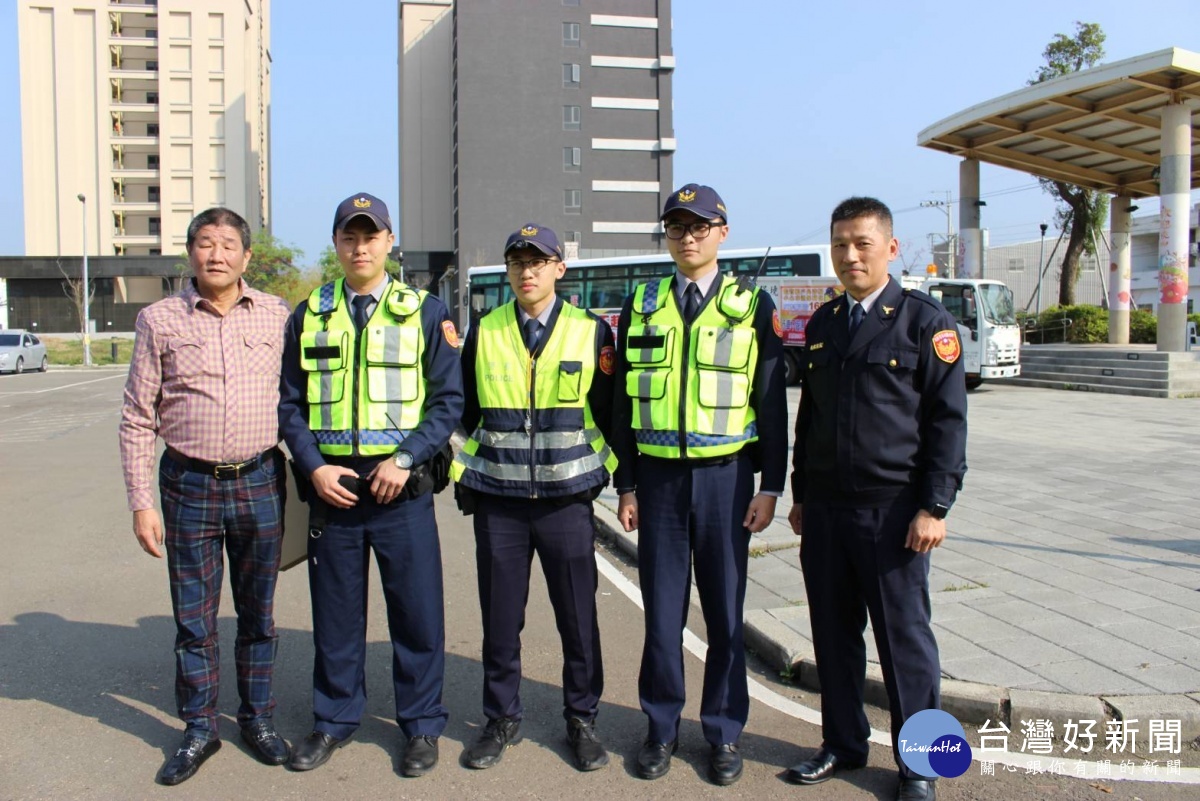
{"x":187,"y":759}
{"x":266,"y":743}
{"x":314,"y":750}
{"x":916,"y":790}
{"x":654,"y":760}
{"x":589,"y":751}
{"x":420,"y":755}
{"x":819,"y":768}
{"x":725,"y":764}
{"x":488,"y":750}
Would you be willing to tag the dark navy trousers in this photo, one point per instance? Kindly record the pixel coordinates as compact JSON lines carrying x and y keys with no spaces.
{"x":855,"y":564}
{"x":404,"y":537}
{"x":690,"y":519}
{"x":508,"y":531}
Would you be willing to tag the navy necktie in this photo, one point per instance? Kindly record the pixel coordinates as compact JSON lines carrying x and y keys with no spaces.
{"x":360,"y":304}
{"x":691,"y":302}
{"x":533,"y":332}
{"x":856,"y":318}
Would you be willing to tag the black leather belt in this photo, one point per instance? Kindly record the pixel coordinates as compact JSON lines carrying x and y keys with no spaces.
{"x":224,"y":471}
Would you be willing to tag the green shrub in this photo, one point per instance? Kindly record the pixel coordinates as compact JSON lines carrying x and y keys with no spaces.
{"x":1143,"y":327}
{"x":1087,"y":324}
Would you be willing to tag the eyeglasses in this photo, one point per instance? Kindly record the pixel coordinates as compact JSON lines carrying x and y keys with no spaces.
{"x":698,"y":230}
{"x":535,"y":266}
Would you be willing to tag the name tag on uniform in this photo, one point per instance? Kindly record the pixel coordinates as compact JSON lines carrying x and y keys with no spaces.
{"x":816,"y":346}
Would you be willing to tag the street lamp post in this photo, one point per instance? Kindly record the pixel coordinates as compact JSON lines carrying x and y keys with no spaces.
{"x":87,"y":343}
{"x":946,"y":206}
{"x":1041,"y":269}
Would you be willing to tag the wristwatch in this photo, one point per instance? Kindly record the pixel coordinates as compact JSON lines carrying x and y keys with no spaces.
{"x":403,"y":460}
{"x":938,"y":511}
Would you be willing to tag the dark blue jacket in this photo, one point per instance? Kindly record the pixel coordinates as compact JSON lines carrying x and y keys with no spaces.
{"x":884,"y":414}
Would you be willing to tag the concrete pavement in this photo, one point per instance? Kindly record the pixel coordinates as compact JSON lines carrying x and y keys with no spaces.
{"x":1069,"y":582}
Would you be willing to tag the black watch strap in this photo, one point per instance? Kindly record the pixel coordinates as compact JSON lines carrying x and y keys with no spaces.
{"x":938,"y":510}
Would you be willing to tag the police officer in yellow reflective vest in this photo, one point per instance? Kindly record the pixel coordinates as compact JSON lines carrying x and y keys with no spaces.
{"x":537,"y":375}
{"x":371,"y":391}
{"x":701,"y":407}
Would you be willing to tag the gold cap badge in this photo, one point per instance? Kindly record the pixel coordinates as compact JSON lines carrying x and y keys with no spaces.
{"x":362,"y":203}
{"x":529,"y":230}
{"x":687,"y":196}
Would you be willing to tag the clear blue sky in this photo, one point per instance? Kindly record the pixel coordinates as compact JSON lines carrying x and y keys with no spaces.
{"x":785,"y":107}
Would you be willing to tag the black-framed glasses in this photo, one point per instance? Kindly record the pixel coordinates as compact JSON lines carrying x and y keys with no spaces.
{"x":536,"y":266}
{"x":698,"y":230}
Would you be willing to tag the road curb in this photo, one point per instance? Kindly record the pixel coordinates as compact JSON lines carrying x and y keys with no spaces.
{"x":968,"y":701}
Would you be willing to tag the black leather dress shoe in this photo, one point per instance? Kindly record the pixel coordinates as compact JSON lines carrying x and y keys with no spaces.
{"x":420,"y":755}
{"x":314,"y":750}
{"x":654,"y":760}
{"x":819,"y":768}
{"x":187,"y":759}
{"x":916,"y":790}
{"x":266,"y":743}
{"x":725,"y":764}
{"x":488,"y":750}
{"x":585,"y":745}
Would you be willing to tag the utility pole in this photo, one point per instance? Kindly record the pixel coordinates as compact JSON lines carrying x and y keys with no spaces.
{"x":87,"y":339}
{"x":947,"y":207}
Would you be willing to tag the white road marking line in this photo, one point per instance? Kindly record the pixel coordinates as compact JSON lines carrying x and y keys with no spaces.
{"x":64,"y":386}
{"x":1071,"y":768}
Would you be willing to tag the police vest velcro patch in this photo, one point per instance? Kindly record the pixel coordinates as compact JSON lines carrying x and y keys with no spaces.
{"x":946,"y":346}
{"x":450,"y":334}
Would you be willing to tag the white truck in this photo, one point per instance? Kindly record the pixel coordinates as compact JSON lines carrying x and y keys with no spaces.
{"x":984,"y":310}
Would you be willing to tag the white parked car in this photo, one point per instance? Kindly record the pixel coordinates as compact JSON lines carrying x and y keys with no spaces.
{"x":21,"y":351}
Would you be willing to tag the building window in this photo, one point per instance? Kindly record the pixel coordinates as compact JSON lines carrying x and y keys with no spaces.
{"x":152,"y":98}
{"x":571,"y":118}
{"x":1016,"y":265}
{"x":156,"y":225}
{"x":151,"y":66}
{"x":572,"y":158}
{"x":152,"y":161}
{"x":571,"y":3}
{"x":152,"y":129}
{"x":155,"y":251}
{"x":573,"y":201}
{"x":153,"y":194}
{"x":571,"y":74}
{"x":570,"y":34}
{"x":152,"y":33}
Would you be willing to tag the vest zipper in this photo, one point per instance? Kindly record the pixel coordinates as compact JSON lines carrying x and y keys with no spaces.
{"x":529,"y":423}
{"x":683,"y":386}
{"x":357,"y":389}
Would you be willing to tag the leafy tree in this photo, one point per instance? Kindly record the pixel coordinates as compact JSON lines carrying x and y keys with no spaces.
{"x":1084,"y":210}
{"x":273,"y":266}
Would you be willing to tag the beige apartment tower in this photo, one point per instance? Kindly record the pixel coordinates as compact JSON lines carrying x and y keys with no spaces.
{"x":152,"y":110}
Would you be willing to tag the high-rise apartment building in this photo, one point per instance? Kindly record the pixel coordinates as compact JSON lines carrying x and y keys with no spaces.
{"x":557,"y":111}
{"x":152,"y":110}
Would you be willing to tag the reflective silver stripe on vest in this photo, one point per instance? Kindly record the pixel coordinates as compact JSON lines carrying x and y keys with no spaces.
{"x":722,"y":356}
{"x":393,"y":410}
{"x":542,"y":473}
{"x":645,"y":402}
{"x":322,"y":340}
{"x":555,"y":440}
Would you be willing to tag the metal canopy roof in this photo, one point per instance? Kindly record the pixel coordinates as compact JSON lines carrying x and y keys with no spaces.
{"x":1099,"y":128}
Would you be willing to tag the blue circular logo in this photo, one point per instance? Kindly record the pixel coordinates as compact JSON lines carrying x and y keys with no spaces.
{"x":932,"y":743}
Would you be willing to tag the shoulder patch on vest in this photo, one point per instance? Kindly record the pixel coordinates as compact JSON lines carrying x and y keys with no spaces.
{"x":608,"y":359}
{"x":776,"y":324}
{"x":946,"y":346}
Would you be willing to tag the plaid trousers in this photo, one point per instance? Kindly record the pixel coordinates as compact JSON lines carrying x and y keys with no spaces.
{"x":200,"y":514}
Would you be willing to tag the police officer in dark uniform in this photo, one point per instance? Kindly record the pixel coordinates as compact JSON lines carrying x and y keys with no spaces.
{"x":537,"y":375}
{"x":370,"y":393}
{"x":701,"y":407}
{"x":880,"y":454}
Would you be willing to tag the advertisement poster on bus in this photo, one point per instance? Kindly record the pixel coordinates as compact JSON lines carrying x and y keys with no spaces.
{"x":797,"y":299}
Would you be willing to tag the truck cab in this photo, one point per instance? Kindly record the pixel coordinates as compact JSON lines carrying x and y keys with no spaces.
{"x":987,"y":325}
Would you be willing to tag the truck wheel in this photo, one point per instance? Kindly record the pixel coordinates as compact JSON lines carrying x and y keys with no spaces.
{"x":973,"y":382}
{"x":791,"y":368}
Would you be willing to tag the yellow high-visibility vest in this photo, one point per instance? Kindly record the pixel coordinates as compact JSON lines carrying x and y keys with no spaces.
{"x":690,"y":386}
{"x":536,"y":437}
{"x":366,"y":390}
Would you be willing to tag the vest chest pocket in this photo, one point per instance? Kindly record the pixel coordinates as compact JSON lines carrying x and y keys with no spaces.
{"x":723,"y":362}
{"x":393,"y":357}
{"x":570,"y":377}
{"x":647,"y":384}
{"x":649,"y":345}
{"x":324,"y":355}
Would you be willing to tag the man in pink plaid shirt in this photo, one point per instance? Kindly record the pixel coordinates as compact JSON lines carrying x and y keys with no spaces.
{"x":205,"y":378}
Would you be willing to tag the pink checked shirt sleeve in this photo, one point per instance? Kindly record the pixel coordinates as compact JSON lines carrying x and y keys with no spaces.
{"x":207,"y":383}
